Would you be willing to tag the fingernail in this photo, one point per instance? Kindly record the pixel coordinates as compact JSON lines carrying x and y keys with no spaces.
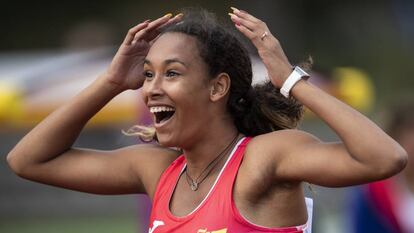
{"x":147,"y":21}
{"x":168,"y":15}
{"x":232,"y":15}
{"x":179,"y":15}
{"x":235,"y":10}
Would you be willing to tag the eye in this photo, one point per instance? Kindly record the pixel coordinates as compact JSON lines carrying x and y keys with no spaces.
{"x":148,"y":74}
{"x":171,"y":74}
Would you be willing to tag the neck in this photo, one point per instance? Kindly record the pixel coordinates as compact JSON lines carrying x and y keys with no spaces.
{"x":206,"y":149}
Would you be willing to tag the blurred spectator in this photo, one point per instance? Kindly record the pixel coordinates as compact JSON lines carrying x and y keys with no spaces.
{"x":388,"y":206}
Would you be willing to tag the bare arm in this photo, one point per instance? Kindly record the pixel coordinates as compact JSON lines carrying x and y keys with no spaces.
{"x":46,"y":155}
{"x":134,"y":169}
{"x":365,"y":154}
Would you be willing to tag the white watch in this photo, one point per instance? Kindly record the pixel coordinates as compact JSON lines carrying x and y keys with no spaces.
{"x":296,"y":75}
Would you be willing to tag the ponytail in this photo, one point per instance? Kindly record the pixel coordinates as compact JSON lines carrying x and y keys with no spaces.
{"x":263,"y":109}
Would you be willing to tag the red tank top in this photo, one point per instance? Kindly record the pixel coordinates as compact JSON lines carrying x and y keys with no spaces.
{"x":217,"y":213}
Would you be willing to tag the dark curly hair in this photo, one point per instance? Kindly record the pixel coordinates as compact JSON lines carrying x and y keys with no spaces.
{"x":255,"y":109}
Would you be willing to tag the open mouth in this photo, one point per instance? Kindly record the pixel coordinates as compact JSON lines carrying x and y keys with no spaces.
{"x":162,"y":113}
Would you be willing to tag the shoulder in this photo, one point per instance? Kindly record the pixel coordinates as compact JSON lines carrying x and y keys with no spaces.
{"x":278,"y":143}
{"x":150,"y":156}
{"x":149,"y":161}
{"x":262,"y":156}
{"x":267,"y":151}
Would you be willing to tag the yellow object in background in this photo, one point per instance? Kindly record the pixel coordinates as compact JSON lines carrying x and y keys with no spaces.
{"x":11,"y":105}
{"x":354,"y":87}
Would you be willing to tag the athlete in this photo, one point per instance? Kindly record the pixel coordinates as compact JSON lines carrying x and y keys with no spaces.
{"x":241,"y":162}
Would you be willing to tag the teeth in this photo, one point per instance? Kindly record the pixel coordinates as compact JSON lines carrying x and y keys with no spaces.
{"x":161,"y":109}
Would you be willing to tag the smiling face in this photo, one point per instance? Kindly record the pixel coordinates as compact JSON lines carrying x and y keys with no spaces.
{"x":176,"y":89}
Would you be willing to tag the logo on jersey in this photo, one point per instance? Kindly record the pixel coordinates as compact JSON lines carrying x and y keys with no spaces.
{"x":155,"y":224}
{"x":218,"y":231}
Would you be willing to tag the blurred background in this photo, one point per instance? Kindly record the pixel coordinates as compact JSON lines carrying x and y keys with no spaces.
{"x":363,"y":53}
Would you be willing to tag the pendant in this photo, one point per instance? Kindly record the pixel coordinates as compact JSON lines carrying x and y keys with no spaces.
{"x":194,"y":186}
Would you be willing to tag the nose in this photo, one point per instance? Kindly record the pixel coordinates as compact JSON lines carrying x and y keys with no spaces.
{"x":152,"y":89}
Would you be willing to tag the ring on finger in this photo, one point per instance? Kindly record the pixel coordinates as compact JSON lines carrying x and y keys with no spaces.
{"x":264,"y":35}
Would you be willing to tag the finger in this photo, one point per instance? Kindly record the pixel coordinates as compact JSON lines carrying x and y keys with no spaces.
{"x":131,"y":33}
{"x":244,"y":15}
{"x":248,"y":24}
{"x":255,"y":25}
{"x":151,"y":31}
{"x":160,"y":21}
{"x":173,"y":20}
{"x":156,"y":33}
{"x":247,"y":32}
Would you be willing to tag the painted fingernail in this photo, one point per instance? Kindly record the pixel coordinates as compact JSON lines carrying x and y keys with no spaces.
{"x":235,"y":10}
{"x":232,"y":15}
{"x":168,"y":15}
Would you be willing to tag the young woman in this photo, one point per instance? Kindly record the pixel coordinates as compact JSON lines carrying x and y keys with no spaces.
{"x":243,"y":162}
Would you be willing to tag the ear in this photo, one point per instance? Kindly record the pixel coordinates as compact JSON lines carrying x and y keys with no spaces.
{"x":219,"y":87}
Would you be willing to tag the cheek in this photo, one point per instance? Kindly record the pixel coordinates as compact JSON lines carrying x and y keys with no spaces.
{"x":188,"y":94}
{"x":192,"y":104}
{"x":196,"y":101}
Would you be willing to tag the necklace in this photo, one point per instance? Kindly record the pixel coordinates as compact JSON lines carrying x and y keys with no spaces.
{"x":194,"y":183}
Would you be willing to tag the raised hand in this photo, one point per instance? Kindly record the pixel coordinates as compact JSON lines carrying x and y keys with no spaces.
{"x":268,"y":47}
{"x":126,"y":69}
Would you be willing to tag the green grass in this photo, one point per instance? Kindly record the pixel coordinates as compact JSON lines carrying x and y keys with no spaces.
{"x":70,"y":225}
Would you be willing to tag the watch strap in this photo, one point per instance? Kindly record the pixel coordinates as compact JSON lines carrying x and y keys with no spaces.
{"x":296,"y":75}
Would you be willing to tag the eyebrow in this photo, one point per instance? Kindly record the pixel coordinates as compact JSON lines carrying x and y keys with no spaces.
{"x":167,"y":62}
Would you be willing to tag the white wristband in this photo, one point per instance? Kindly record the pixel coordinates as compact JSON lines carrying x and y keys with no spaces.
{"x":296,"y":75}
